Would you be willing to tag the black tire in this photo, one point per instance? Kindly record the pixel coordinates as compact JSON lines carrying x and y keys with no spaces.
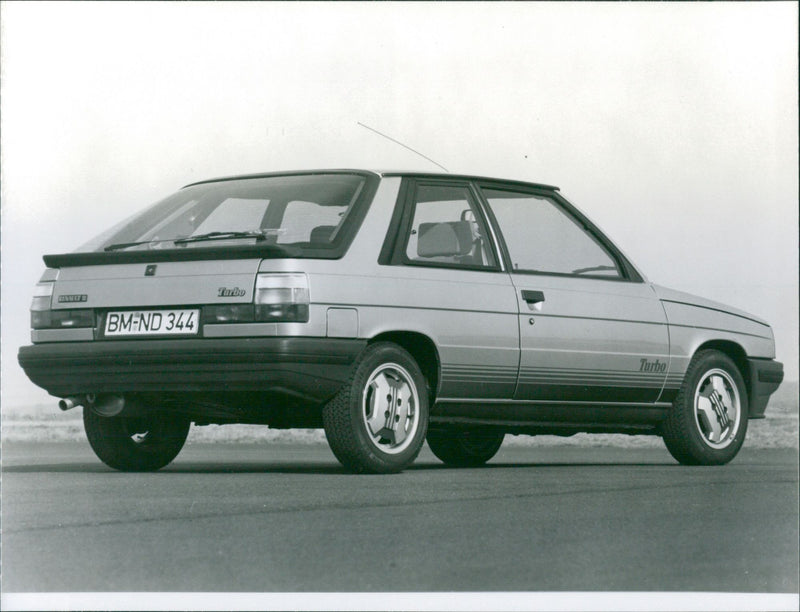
{"x":136,"y":444}
{"x":464,"y":447}
{"x":708,"y":420}
{"x":388,"y":393}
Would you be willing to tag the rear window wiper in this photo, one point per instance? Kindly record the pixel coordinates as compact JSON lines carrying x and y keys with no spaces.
{"x":125,"y":245}
{"x":258,"y":235}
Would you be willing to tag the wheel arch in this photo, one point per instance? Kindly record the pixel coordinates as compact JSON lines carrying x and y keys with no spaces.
{"x":423,"y":349}
{"x":737,"y":354}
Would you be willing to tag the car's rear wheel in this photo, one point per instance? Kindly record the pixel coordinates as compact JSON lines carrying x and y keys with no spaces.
{"x":464,"y":447}
{"x":136,"y":444}
{"x":708,"y":420}
{"x":378,"y":420}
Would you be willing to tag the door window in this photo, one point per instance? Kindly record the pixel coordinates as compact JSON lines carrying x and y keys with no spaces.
{"x":447,"y":229}
{"x":541,"y":237}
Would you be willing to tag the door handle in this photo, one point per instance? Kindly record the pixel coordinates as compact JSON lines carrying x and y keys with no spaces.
{"x":532,"y":297}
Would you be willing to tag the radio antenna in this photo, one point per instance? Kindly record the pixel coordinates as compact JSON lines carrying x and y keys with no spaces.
{"x":402,"y":145}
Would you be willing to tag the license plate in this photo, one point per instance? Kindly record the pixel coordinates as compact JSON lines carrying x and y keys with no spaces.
{"x":152,"y":322}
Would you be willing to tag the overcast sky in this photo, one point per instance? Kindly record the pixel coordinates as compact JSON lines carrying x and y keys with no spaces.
{"x":673,"y":126}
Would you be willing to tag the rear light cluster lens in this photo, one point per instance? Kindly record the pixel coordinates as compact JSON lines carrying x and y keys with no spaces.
{"x":40,"y":306}
{"x":42,"y":317}
{"x":229,"y":313}
{"x":278,"y":298}
{"x":62,"y":318}
{"x":281,"y":297}
{"x":42,"y":297}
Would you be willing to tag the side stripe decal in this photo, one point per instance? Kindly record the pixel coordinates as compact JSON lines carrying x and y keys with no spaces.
{"x":561,"y":376}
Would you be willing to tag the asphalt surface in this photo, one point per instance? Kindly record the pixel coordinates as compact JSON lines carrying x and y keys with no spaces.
{"x":259,"y":518}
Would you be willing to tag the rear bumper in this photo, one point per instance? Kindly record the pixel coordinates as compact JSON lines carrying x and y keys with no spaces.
{"x":766,"y":376}
{"x":308,"y":368}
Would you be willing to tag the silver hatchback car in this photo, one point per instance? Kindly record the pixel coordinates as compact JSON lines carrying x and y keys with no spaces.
{"x":387,"y":308}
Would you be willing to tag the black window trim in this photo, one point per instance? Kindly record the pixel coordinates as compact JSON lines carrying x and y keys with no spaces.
{"x":393,"y":251}
{"x":386,"y":256}
{"x":336,"y":250}
{"x":628,"y":273}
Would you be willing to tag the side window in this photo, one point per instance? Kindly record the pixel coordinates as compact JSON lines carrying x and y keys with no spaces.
{"x":542,"y":237}
{"x":446,"y":228}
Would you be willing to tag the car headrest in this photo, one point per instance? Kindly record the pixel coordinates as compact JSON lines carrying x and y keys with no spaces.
{"x":447,"y":239}
{"x":322,"y":234}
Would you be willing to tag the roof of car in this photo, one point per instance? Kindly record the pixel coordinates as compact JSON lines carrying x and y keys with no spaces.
{"x":468,"y":177}
{"x":381,"y":173}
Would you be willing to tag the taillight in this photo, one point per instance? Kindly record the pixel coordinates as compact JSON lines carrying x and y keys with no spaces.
{"x":229,"y":313}
{"x":42,"y":296}
{"x":281,"y":297}
{"x":277,"y":298}
{"x":72,"y":318}
{"x":42,"y":315}
{"x":40,"y":306}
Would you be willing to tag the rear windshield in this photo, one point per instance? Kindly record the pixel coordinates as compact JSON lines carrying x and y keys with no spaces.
{"x":300,"y":212}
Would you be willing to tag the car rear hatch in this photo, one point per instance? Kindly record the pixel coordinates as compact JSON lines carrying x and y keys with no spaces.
{"x":193,"y":258}
{"x":141,"y":299}
{"x":156,"y":284}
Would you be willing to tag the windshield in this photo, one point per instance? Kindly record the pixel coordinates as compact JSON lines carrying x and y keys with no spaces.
{"x":308,"y":210}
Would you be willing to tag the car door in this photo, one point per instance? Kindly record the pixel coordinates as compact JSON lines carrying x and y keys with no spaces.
{"x":446,"y":280}
{"x":591,"y":330}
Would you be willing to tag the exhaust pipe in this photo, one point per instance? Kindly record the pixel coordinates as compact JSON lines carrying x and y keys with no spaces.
{"x":106,"y":405}
{"x":71,"y":402}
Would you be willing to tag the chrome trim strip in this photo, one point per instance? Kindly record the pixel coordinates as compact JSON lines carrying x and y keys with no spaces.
{"x":64,"y":334}
{"x":727,"y":331}
{"x":727,"y":312}
{"x":238,"y":330}
{"x":451,"y":400}
{"x":503,"y":312}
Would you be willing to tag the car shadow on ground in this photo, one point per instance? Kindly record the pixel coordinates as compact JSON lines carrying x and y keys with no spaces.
{"x":307,"y":468}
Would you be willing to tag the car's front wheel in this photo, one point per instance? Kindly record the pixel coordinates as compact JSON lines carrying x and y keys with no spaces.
{"x":708,"y":420}
{"x":136,"y":444}
{"x":377,"y":422}
{"x":464,"y":447}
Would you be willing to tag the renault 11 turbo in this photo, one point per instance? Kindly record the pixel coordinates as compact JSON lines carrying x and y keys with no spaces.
{"x":388,"y":308}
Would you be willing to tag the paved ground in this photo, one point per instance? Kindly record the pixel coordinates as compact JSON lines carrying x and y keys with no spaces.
{"x":241,"y":517}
